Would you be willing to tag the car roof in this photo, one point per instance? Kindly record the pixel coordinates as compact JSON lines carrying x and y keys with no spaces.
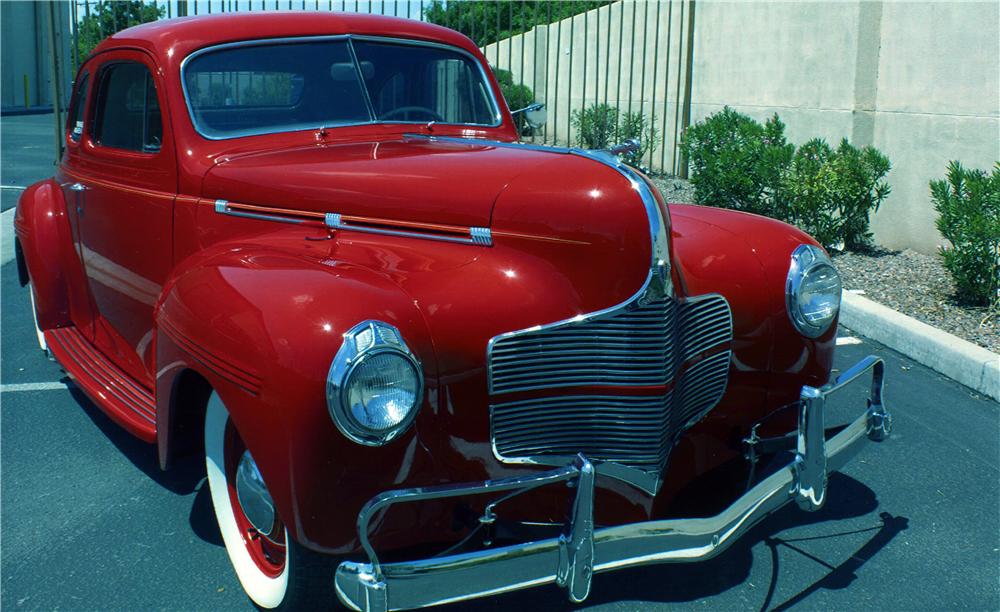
{"x":175,"y":38}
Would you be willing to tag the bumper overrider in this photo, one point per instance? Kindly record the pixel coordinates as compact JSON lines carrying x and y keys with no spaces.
{"x":571,"y":559}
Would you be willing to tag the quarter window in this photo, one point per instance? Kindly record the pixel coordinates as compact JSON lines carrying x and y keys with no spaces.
{"x":128,"y":112}
{"x":76,"y":108}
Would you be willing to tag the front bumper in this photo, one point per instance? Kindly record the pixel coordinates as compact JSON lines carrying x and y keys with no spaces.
{"x":571,"y":559}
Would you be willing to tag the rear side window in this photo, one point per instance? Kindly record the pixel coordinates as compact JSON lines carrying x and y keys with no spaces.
{"x":128,"y":113}
{"x":76,"y":108}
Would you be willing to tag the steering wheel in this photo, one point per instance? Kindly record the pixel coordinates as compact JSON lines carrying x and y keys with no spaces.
{"x":408,"y":109}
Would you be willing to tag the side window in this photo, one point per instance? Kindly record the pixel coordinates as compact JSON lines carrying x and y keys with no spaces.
{"x":76,"y":108}
{"x":127,"y":112}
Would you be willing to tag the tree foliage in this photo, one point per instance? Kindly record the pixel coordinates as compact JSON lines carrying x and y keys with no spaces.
{"x":107,"y":17}
{"x":487,"y":22}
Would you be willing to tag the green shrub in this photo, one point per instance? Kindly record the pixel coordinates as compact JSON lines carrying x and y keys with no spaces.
{"x":517,"y":96}
{"x":596,"y":126}
{"x":831,"y":193}
{"x":637,"y":125}
{"x":738,"y":163}
{"x":968,"y":207}
{"x":600,"y":126}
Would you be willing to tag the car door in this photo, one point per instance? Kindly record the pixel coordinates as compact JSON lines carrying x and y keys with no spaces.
{"x":80,"y":306}
{"x":125,"y":181}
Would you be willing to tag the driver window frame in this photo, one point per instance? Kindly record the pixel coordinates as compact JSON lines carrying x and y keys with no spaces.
{"x":96,"y":114}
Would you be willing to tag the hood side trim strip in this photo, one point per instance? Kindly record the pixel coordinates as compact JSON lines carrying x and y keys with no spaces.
{"x":479,"y":236}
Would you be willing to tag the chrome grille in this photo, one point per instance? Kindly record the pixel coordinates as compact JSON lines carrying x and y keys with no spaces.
{"x":625,"y":429}
{"x":630,"y":347}
{"x":699,"y":389}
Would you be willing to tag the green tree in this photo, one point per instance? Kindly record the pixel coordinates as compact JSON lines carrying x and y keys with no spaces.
{"x":488,"y":22}
{"x":108,"y":17}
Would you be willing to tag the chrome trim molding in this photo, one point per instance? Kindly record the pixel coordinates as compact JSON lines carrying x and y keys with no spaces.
{"x":362,"y":342}
{"x":479,"y":236}
{"x":257,"y":42}
{"x":222,"y":207}
{"x":570,"y":559}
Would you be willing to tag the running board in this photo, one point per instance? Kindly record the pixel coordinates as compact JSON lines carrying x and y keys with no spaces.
{"x":116,"y":393}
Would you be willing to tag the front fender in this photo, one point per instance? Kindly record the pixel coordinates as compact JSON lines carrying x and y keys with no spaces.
{"x":746,"y":258}
{"x":262,"y":324}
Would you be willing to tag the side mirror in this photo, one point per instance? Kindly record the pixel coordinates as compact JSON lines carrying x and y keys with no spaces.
{"x":534,"y":114}
{"x":629,"y":146}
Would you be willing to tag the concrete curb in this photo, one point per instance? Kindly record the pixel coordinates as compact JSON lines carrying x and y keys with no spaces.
{"x":6,"y":236}
{"x":958,"y":359}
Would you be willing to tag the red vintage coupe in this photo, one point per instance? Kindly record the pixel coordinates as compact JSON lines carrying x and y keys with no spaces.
{"x":424,"y":362}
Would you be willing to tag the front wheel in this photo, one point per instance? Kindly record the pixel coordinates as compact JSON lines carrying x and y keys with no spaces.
{"x":275,"y":571}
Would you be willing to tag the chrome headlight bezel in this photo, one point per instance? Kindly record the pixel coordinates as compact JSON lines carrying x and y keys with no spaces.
{"x":806,"y":260}
{"x":363,"y":342}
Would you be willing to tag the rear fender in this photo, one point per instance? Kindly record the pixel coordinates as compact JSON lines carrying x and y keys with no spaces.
{"x":47,"y":255}
{"x":262,"y":326}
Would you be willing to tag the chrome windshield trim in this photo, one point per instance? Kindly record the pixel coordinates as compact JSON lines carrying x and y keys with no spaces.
{"x":258,"y":42}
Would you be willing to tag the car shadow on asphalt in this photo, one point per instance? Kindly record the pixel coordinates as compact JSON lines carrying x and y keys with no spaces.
{"x":182,"y":478}
{"x":185,"y":476}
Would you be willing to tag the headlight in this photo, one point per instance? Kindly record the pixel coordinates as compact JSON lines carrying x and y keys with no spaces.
{"x":812,"y":291}
{"x":375,"y":384}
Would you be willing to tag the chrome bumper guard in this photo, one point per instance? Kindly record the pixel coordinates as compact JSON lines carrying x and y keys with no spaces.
{"x":571,"y":559}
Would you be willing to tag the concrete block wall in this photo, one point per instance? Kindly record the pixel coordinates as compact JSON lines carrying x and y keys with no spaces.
{"x":918,"y":80}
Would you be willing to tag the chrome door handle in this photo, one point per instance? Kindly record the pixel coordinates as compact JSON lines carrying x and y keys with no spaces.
{"x":79,"y":188}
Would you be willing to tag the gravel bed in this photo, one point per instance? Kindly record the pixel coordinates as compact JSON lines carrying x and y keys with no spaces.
{"x":674,"y":190}
{"x":912,"y":283}
{"x":919,"y":286}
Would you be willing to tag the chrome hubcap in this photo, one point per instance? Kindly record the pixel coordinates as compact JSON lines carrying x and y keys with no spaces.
{"x":254,"y":498}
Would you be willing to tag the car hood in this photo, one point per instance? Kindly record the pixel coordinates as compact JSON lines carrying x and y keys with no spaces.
{"x":424,"y":181}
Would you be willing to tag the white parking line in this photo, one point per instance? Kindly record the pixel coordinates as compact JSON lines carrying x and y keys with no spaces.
{"x":43,"y":386}
{"x":848,"y":340}
{"x":12,"y":187}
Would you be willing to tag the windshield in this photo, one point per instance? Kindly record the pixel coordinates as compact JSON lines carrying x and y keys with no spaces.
{"x":247,"y":89}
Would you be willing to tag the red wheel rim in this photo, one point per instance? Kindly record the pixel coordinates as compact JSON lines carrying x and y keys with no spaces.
{"x":268,"y":554}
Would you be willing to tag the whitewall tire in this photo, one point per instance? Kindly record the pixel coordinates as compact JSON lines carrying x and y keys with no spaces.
{"x":266,"y":586}
{"x":34,"y":316}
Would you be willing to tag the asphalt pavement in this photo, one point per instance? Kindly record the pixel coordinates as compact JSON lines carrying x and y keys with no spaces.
{"x":88,"y":522}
